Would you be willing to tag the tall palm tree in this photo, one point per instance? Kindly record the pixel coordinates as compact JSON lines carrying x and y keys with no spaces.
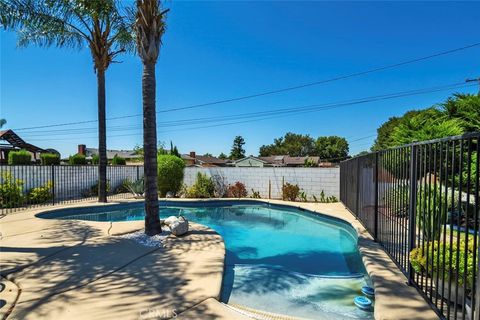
{"x":96,"y":24}
{"x":149,"y":27}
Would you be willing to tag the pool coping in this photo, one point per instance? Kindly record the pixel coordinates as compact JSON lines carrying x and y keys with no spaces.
{"x":394,"y":298}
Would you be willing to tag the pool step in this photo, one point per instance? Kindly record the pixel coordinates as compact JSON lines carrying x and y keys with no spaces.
{"x":258,"y":314}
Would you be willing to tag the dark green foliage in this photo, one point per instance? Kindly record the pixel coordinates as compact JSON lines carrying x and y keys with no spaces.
{"x":330,"y":148}
{"x":118,"y":161}
{"x":77,"y":159}
{"x":174,"y":150}
{"x":237,"y":152}
{"x":41,"y":194}
{"x":459,"y":114}
{"x":292,"y":144}
{"x":223,"y":156}
{"x":50,"y":159}
{"x":93,"y":190}
{"x":204,"y":187}
{"x":11,"y":194}
{"x":170,"y":174}
{"x":290,"y":191}
{"x":21,"y":157}
{"x":95,"y":159}
{"x":255,"y":194}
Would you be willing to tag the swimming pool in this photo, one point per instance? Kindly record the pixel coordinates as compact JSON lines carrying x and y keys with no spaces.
{"x":279,"y":259}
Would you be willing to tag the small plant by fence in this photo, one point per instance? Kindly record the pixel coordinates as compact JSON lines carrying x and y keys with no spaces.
{"x":25,"y":186}
{"x":421,"y":203}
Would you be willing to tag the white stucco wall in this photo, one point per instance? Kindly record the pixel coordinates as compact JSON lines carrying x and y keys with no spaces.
{"x":311,"y":180}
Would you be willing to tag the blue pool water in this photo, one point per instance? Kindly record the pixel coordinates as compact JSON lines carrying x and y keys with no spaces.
{"x":278,"y":259}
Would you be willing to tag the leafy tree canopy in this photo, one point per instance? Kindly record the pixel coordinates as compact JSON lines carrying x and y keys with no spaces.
{"x":223,"y":156}
{"x":299,"y":145}
{"x":237,"y":152}
{"x":459,"y":114}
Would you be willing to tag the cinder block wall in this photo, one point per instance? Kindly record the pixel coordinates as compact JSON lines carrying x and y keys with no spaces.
{"x":310,"y":180}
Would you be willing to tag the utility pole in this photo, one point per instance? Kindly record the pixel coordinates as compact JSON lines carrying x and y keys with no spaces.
{"x":475,"y":80}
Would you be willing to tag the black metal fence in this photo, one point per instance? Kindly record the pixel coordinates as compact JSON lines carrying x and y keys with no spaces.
{"x":421,"y":203}
{"x":28,"y":186}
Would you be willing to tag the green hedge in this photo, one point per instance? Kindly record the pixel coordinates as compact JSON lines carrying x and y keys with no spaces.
{"x":77,"y":159}
{"x":19,"y":157}
{"x":170,"y":174}
{"x":95,"y":159}
{"x":118,"y":161}
{"x":50,"y":158}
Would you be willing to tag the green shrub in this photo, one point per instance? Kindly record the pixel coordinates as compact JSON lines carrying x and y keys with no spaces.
{"x":170,"y":174}
{"x":303,"y":196}
{"x":95,"y":159}
{"x":255,"y":194}
{"x":77,"y":159}
{"x":19,"y":157}
{"x":10,"y":191}
{"x":441,"y":263}
{"x":237,"y":190}
{"x":136,"y":188}
{"x":118,"y":161}
{"x":41,"y":194}
{"x":93,"y":190}
{"x":290,"y":191}
{"x":202,"y":188}
{"x":325,"y":199}
{"x":50,"y":159}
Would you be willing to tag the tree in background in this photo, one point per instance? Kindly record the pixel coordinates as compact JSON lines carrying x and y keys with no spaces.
{"x":174,"y":150}
{"x":222,"y":156}
{"x":292,"y":144}
{"x":426,"y":125}
{"x":96,"y":24}
{"x":237,"y":151}
{"x":384,"y":139}
{"x":331,"y":148}
{"x":208,"y":155}
{"x":459,"y":114}
{"x":2,"y":122}
{"x":299,"y":145}
{"x":149,"y":29}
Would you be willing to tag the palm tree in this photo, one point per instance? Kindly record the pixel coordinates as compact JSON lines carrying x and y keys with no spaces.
{"x":97,"y":24}
{"x":149,"y":27}
{"x":2,"y":122}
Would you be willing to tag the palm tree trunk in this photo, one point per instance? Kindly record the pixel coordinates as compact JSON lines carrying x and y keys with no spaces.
{"x":102,"y":138}
{"x":152,"y":220}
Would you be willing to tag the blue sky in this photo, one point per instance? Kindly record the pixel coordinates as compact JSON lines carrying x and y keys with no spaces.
{"x":220,"y":50}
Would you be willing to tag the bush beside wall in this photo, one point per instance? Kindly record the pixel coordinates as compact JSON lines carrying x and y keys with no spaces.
{"x":50,"y":159}
{"x":170,"y":174}
{"x":21,"y":157}
{"x":77,"y":159}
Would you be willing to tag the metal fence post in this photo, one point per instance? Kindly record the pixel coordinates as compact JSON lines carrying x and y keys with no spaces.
{"x":138,"y":173}
{"x":375,"y":225}
{"x":412,"y":206}
{"x":357,"y":193}
{"x":53,"y":183}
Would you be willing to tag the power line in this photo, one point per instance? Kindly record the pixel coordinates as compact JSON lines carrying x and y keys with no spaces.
{"x":351,"y":75}
{"x":288,"y":110}
{"x":309,"y":109}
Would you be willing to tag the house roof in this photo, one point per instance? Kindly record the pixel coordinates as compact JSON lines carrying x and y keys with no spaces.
{"x":127,"y":154}
{"x":210,"y":160}
{"x":285,"y":160}
{"x":15,"y":141}
{"x":251,"y":157}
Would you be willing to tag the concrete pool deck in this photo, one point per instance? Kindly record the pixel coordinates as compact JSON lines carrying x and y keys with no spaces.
{"x":72,"y":269}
